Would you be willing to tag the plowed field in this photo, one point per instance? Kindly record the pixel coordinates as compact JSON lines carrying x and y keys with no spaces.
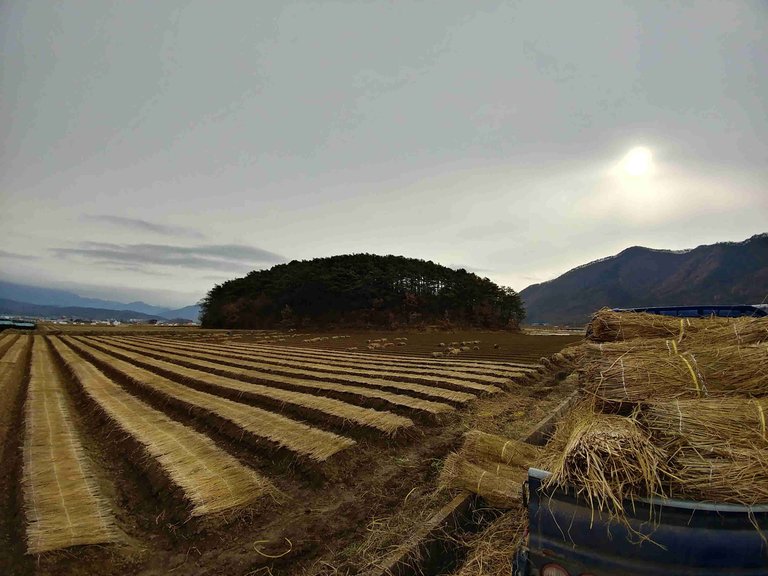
{"x":233,"y":453}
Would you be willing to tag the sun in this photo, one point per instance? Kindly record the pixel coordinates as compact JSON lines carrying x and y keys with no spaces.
{"x":638,"y":162}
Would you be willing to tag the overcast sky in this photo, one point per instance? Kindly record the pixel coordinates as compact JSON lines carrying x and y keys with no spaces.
{"x":152,"y":149}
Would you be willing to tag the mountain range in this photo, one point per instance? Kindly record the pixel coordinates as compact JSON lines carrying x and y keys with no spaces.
{"x":723,"y":273}
{"x":21,"y":299}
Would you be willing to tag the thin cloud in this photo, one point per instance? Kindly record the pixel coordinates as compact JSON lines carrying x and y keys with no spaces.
{"x":145,"y":226}
{"x":225,"y":257}
{"x":15,"y":255}
{"x":472,"y":269}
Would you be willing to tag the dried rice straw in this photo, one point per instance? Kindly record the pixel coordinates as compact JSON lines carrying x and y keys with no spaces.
{"x":607,"y":459}
{"x":480,"y":446}
{"x":638,"y":376}
{"x":498,"y":484}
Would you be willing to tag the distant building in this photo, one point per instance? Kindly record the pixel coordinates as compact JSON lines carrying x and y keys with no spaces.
{"x":6,"y":323}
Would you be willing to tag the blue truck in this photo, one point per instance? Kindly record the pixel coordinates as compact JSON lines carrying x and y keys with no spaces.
{"x":685,"y":538}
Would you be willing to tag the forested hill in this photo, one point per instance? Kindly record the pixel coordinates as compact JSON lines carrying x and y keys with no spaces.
{"x":360,"y":290}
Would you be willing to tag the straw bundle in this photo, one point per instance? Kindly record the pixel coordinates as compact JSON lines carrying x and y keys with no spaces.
{"x":736,"y":331}
{"x":492,"y":551}
{"x":499,"y":485}
{"x":591,"y":350}
{"x":735,"y":475}
{"x":480,"y":447}
{"x":62,"y":501}
{"x":636,"y":377}
{"x":605,"y":458}
{"x":710,"y":423}
{"x":609,"y":326}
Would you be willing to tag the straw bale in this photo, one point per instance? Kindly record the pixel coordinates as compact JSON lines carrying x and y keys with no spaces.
{"x":609,"y":326}
{"x":62,"y":501}
{"x":274,"y":362}
{"x":735,"y":332}
{"x":380,"y":420}
{"x":497,"y":484}
{"x":642,"y":375}
{"x":480,"y":446}
{"x":209,"y":478}
{"x":721,"y":422}
{"x":267,"y":374}
{"x":737,"y":475}
{"x":605,"y":458}
{"x":316,"y":444}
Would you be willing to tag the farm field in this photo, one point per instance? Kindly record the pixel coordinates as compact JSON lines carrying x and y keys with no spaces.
{"x":145,"y":451}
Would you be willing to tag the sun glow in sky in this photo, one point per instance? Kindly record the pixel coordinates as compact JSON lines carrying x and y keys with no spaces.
{"x":638,"y":162}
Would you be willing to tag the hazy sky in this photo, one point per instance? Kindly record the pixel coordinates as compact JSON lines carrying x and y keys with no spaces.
{"x":152,"y":149}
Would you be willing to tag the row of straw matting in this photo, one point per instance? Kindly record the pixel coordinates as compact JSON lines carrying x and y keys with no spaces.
{"x":264,"y":371}
{"x":383,"y":421}
{"x":210,"y":479}
{"x":491,"y":466}
{"x":295,"y":436}
{"x":13,"y":365}
{"x":62,"y":501}
{"x":310,"y":358}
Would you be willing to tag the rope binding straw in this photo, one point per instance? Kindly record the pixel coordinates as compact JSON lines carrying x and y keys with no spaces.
{"x":503,"y":448}
{"x":761,"y":415}
{"x":479,"y":481}
{"x":693,"y":374}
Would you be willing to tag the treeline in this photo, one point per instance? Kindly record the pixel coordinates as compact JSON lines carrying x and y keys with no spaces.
{"x":360,"y":290}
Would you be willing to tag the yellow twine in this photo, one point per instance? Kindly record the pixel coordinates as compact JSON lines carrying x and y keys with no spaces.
{"x":479,"y":481}
{"x":693,"y":374}
{"x":682,"y":330}
{"x":762,"y":416}
{"x":503,"y":448}
{"x":674,"y":347}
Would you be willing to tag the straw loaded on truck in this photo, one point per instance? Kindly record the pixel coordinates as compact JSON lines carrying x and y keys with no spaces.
{"x":662,"y":466}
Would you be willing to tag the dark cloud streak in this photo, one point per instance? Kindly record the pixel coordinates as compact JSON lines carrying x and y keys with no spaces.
{"x":225,"y":257}
{"x":145,"y":226}
{"x":16,"y":255}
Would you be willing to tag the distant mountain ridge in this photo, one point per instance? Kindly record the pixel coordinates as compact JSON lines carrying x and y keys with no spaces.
{"x":13,"y":308}
{"x":722,"y":273}
{"x":36,"y":295}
